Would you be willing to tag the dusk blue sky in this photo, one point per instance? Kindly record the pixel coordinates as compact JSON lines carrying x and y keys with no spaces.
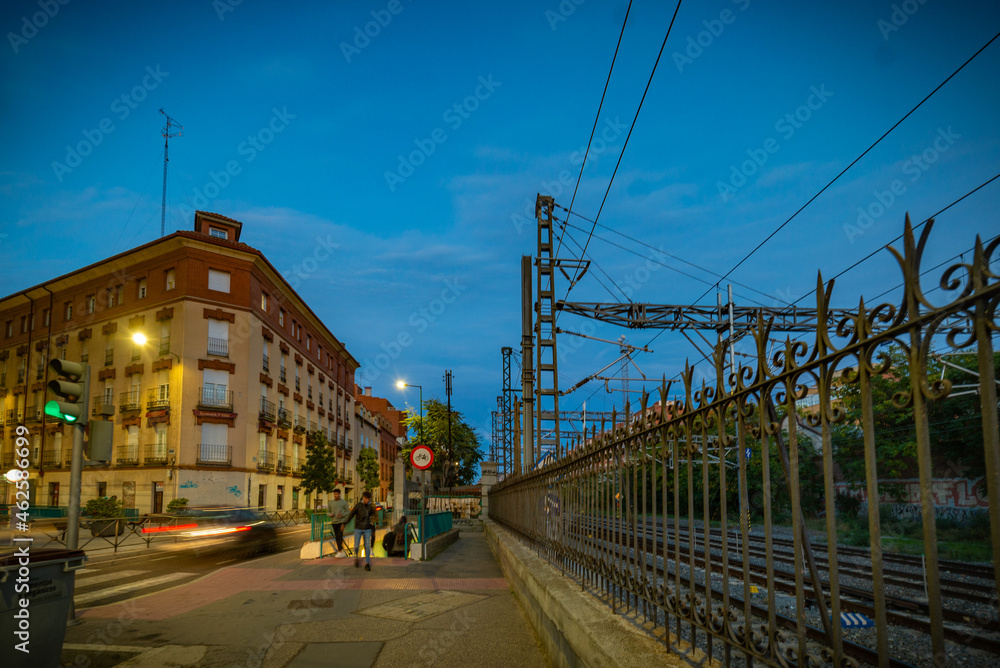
{"x":350,"y":109}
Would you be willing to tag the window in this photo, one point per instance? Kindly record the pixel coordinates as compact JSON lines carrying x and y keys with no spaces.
{"x":217,"y":233}
{"x":218,"y":280}
{"x":218,"y":337}
{"x":46,"y":317}
{"x":214,"y":443}
{"x":91,"y":304}
{"x":142,"y":288}
{"x":69,"y":310}
{"x":120,"y":294}
{"x":281,"y":317}
{"x":102,"y":490}
{"x":266,"y":358}
{"x":9,"y":329}
{"x":309,"y":341}
{"x":263,"y":443}
{"x":24,"y":324}
{"x":280,"y":500}
{"x":263,"y":302}
{"x":171,"y":279}
{"x":160,"y":450}
{"x":109,"y":298}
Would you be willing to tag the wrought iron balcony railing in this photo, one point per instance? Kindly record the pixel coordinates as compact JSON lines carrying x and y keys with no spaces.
{"x":218,"y":347}
{"x":164,"y":346}
{"x":129,"y":401}
{"x":103,"y":405}
{"x":283,"y":466}
{"x":266,"y":365}
{"x":109,"y":357}
{"x":301,"y":424}
{"x":282,"y":376}
{"x":154,"y":453}
{"x":52,"y":459}
{"x":158,"y":397}
{"x":284,"y":418}
{"x":215,"y":397}
{"x":127,"y":455}
{"x":33,"y":413}
{"x":210,"y":454}
{"x":266,"y":460}
{"x":267,"y":410}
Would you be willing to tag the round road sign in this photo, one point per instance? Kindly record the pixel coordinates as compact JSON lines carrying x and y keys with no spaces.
{"x":421,"y":457}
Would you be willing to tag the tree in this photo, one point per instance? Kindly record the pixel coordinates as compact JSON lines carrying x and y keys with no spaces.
{"x":454,"y":465}
{"x":368,"y":468}
{"x":319,"y":474}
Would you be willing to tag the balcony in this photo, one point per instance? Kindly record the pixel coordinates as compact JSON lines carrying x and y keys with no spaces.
{"x":266,"y":365}
{"x":284,"y":418}
{"x":301,"y":424}
{"x":158,"y":397}
{"x":103,"y":405}
{"x":218,"y":347}
{"x":266,"y":460}
{"x":130,"y":401}
{"x":136,"y":354}
{"x":343,"y":441}
{"x":109,"y":357}
{"x":296,"y":467}
{"x":164,"y":346}
{"x":309,"y":393}
{"x":313,"y":426}
{"x":282,"y":376}
{"x":51,"y":459}
{"x":283,"y":466}
{"x":8,"y":460}
{"x":20,"y":376}
{"x":215,"y":397}
{"x":298,"y":385}
{"x":84,"y":357}
{"x":267,"y":410}
{"x":33,"y":414}
{"x":40,"y":372}
{"x":127,"y":455}
{"x":210,"y":454}
{"x":154,"y":453}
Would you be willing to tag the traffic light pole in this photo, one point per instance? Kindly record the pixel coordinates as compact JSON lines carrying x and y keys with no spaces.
{"x":75,"y":483}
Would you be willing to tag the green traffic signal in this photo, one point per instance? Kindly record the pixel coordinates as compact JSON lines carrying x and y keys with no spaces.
{"x":62,"y":410}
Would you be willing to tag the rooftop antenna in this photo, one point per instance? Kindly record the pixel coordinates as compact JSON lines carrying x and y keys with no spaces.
{"x":167,"y":134}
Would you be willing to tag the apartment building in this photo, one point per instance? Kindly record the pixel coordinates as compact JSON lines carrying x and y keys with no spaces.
{"x":390,"y":431}
{"x":214,"y":407}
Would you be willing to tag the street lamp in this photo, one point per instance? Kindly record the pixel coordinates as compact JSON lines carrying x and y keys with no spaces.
{"x":423,"y":504}
{"x":140,"y":339}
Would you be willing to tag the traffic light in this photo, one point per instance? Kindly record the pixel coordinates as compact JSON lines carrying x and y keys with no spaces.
{"x":72,"y":408}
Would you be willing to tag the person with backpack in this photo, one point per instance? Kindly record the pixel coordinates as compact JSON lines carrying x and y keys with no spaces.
{"x":364,"y":528}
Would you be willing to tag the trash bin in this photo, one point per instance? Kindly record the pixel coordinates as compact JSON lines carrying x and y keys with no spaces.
{"x":49,"y":583}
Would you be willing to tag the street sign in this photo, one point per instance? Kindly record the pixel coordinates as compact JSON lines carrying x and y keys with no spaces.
{"x":748,"y":453}
{"x":421,"y":457}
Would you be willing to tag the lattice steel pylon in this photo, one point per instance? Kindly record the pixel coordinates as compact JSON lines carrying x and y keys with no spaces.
{"x":546,"y":360}
{"x":506,"y":426}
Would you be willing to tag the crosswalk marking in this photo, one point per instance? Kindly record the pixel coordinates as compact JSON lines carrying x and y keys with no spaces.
{"x":88,"y":579}
{"x":130,"y":587}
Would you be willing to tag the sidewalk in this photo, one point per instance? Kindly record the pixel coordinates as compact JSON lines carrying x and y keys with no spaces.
{"x":282,"y":612}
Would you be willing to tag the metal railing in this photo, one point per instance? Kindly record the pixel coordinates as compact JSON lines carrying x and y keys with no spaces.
{"x":103,"y":405}
{"x":20,"y":376}
{"x":164,"y":347}
{"x":214,"y":455}
{"x":15,"y":415}
{"x":283,"y":466}
{"x":218,"y":347}
{"x":127,"y":455}
{"x":109,"y":357}
{"x":33,"y":413}
{"x":266,"y":460}
{"x":268,"y":411}
{"x":266,"y":365}
{"x":652,"y":512}
{"x":52,"y":459}
{"x":215,"y":397}
{"x":282,"y":376}
{"x":154,"y":453}
{"x":284,"y":418}
{"x":129,"y":401}
{"x":158,"y":397}
{"x":301,"y":424}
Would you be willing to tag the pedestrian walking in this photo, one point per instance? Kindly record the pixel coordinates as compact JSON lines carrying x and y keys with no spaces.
{"x":338,"y":510}
{"x":364,"y":528}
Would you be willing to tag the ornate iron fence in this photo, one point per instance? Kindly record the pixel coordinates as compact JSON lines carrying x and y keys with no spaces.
{"x":653,"y":511}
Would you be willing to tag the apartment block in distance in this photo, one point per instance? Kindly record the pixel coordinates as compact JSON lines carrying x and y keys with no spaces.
{"x":391,"y":434}
{"x":214,"y":407}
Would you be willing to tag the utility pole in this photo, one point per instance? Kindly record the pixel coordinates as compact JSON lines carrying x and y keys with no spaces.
{"x":167,"y":134}
{"x":447,"y":392}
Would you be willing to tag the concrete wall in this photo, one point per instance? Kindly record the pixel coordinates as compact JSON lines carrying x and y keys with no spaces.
{"x":575,"y":628}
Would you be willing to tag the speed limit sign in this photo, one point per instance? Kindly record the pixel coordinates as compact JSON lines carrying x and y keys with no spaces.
{"x":421,"y":457}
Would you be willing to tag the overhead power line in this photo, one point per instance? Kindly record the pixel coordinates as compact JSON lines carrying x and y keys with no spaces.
{"x":853,"y":162}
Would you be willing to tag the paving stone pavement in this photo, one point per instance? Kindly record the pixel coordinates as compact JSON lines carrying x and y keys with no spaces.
{"x":279,"y":612}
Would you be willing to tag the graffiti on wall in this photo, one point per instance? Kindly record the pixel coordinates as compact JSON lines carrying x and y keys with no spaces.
{"x":948,"y":492}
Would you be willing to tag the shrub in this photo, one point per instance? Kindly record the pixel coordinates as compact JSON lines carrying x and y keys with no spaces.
{"x":177,"y":504}
{"x":104,"y":508}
